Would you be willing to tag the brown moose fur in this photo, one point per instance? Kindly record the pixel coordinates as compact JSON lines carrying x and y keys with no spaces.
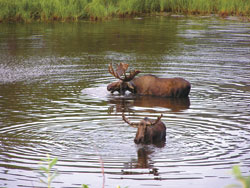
{"x":164,"y":87}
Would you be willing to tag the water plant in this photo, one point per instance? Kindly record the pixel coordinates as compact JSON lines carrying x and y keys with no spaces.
{"x":46,"y":171}
{"x":245,"y":181}
{"x":85,"y":186}
{"x":48,"y":174}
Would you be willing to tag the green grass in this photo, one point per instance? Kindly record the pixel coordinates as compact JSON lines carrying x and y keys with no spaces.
{"x":49,"y":10}
{"x":42,"y":10}
{"x":100,"y":9}
{"x":234,"y":7}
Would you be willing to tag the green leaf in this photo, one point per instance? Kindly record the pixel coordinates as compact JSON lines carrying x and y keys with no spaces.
{"x":44,"y":169}
{"x":248,"y":181}
{"x":44,"y":160}
{"x":245,"y":182}
{"x":53,"y":162}
{"x":85,"y":186}
{"x":42,"y":181}
{"x":236,"y":171}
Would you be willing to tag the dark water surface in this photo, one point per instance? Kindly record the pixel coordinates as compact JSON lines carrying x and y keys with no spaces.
{"x":53,"y":100}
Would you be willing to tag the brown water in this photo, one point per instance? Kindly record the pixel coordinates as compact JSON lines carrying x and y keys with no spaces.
{"x":53,"y":100}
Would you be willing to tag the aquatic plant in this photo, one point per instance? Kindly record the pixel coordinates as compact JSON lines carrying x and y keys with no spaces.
{"x":245,"y":181}
{"x":46,"y":172}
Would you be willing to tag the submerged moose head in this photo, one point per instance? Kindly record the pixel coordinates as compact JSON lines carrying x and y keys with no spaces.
{"x":147,"y":84}
{"x":148,"y":131}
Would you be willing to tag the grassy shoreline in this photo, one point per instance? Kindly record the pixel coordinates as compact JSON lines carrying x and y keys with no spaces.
{"x":62,"y":10}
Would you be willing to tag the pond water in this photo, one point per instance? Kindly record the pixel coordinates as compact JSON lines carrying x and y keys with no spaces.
{"x":53,"y":100}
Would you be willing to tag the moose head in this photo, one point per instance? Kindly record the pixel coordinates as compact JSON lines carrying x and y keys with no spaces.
{"x":124,"y":81}
{"x":148,"y":131}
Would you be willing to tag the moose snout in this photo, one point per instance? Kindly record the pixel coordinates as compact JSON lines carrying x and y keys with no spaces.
{"x":109,"y":87}
{"x":139,"y":140}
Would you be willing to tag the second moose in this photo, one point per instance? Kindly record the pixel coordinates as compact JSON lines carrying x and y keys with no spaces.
{"x":148,"y":131}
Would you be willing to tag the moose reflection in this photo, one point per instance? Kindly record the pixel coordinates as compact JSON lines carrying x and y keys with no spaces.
{"x":143,"y":160}
{"x":126,"y":104}
{"x":148,"y":131}
{"x":147,"y":84}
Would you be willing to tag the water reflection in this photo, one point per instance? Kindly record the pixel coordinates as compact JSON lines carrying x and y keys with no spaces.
{"x":148,"y":104}
{"x":143,"y":161}
{"x":88,"y":37}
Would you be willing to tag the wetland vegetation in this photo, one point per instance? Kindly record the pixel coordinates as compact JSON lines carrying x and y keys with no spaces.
{"x":62,"y":10}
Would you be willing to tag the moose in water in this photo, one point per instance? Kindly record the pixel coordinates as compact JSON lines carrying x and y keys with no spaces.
{"x":147,"y":84}
{"x":148,"y":131}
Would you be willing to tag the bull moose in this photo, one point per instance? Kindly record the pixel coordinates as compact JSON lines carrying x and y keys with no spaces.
{"x":148,"y":131}
{"x":147,"y":84}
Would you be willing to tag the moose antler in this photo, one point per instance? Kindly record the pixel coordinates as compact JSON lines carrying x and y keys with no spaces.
{"x":136,"y":124}
{"x":128,"y":122}
{"x":121,"y":71}
{"x":157,"y":120}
